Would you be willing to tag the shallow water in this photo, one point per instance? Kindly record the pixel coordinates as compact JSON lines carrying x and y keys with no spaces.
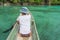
{"x":47,"y":20}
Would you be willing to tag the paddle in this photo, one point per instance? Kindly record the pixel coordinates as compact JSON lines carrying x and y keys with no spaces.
{"x":8,"y":29}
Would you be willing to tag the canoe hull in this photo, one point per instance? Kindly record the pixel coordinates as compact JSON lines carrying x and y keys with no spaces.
{"x":14,"y":33}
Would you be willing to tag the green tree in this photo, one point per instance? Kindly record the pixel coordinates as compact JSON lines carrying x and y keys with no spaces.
{"x":15,"y":1}
{"x":55,"y":1}
{"x":1,"y":0}
{"x":31,"y":1}
{"x":38,"y":1}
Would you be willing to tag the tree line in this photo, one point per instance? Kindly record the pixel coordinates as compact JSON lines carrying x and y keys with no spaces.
{"x":32,"y":1}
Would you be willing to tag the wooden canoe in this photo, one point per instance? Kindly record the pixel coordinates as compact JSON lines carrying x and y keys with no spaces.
{"x":15,"y":36}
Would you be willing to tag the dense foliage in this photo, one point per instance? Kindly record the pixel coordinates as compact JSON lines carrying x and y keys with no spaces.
{"x":33,"y":1}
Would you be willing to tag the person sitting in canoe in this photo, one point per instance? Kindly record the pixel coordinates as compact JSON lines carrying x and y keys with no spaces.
{"x":24,"y":21}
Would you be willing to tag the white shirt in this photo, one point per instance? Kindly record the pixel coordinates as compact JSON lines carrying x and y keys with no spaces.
{"x":24,"y":24}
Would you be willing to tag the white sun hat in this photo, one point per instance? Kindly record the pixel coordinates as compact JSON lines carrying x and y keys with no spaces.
{"x":24,"y":10}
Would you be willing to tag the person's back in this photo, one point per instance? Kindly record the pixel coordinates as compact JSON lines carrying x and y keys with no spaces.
{"x":24,"y":21}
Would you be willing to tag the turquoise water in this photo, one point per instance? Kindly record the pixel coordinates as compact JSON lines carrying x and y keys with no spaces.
{"x":47,"y":20}
{"x":8,"y":17}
